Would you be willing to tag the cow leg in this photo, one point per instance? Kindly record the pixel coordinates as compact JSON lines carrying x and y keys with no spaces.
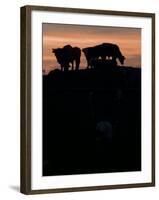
{"x":103,"y":58}
{"x":114,"y":61}
{"x":65,"y":68}
{"x":72,"y":65}
{"x":62,"y":66}
{"x":89,"y":64}
{"x":77,"y":64}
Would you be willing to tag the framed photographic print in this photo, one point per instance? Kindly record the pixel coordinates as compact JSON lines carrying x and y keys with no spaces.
{"x":87,"y":99}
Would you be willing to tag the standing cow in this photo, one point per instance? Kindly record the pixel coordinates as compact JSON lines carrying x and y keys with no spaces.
{"x":66,"y":56}
{"x":91,"y":54}
{"x":105,"y":51}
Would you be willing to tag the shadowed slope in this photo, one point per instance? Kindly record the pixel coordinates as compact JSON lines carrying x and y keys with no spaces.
{"x":92,"y":120}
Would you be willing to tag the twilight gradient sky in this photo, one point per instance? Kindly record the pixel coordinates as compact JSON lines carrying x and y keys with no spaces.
{"x":59,"y":35}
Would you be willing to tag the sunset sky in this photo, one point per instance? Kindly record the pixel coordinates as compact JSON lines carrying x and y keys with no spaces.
{"x":59,"y":35}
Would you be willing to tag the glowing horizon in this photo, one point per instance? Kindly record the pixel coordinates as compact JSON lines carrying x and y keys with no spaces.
{"x":59,"y":35}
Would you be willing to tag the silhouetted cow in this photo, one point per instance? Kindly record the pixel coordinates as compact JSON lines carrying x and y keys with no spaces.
{"x":68,"y":55}
{"x":105,"y":51}
{"x":91,"y":53}
{"x":111,"y":51}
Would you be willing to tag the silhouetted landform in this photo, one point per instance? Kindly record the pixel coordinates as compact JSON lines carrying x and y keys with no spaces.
{"x":92,"y":120}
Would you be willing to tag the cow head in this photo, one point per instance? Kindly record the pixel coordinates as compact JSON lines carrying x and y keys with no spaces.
{"x":85,"y":51}
{"x":121,"y":59}
{"x":54,"y":50}
{"x":58,"y":54}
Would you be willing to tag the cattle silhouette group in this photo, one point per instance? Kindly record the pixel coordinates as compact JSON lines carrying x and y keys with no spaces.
{"x":105,"y":53}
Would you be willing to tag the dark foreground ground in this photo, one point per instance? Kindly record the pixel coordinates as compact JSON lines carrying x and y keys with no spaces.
{"x":92,"y":121}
